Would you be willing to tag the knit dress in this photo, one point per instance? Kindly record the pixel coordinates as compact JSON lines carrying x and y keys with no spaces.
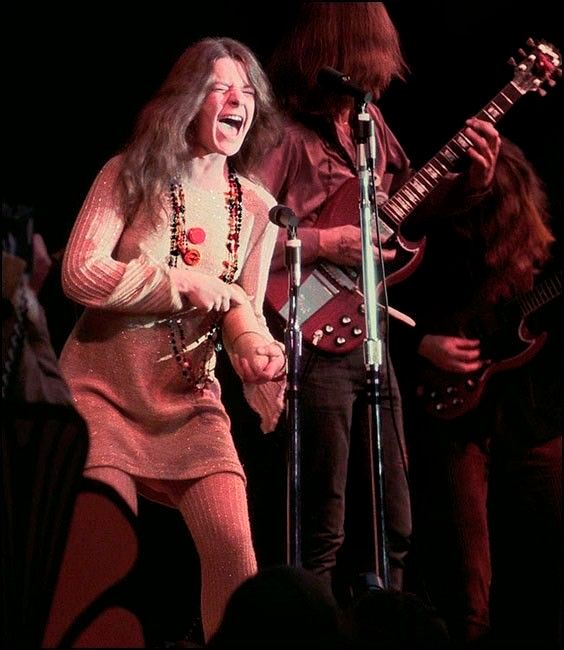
{"x":145,"y":416}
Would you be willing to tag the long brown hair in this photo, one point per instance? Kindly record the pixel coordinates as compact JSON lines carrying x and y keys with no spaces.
{"x":356,"y":38}
{"x":161,"y":143}
{"x":513,"y":225}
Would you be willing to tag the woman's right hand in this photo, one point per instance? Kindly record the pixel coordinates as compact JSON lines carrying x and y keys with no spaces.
{"x":206,"y":292}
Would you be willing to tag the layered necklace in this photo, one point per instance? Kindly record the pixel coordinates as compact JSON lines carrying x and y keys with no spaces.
{"x":183,"y":242}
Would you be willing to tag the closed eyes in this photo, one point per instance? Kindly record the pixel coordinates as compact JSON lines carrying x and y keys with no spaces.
{"x":226,"y":88}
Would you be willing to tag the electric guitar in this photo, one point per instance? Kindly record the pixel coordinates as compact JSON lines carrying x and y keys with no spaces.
{"x":331,"y":302}
{"x":504,"y":341}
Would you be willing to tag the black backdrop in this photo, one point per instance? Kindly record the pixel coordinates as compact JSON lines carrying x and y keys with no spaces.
{"x":74,"y":78}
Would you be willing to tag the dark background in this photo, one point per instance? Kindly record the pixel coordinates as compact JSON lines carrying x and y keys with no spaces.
{"x":75,"y":77}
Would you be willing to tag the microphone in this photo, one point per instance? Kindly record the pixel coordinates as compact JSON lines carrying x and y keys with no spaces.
{"x":341,"y":84}
{"x":283,"y":216}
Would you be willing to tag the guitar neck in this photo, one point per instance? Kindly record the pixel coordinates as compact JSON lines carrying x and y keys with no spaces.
{"x":421,"y":184}
{"x":542,"y":294}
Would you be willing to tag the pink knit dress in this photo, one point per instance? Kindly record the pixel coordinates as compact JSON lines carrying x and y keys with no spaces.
{"x":144,"y":416}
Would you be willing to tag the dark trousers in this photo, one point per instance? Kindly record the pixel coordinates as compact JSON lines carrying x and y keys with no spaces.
{"x":497,"y":560}
{"x":336,"y":479}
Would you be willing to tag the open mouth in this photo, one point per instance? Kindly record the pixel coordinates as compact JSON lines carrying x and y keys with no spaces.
{"x":231,"y":124}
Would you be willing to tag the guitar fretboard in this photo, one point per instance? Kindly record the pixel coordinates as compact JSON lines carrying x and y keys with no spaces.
{"x":406,"y":199}
{"x":545,"y":292}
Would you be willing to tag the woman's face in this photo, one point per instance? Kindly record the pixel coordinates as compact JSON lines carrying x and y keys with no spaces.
{"x":227,"y":112}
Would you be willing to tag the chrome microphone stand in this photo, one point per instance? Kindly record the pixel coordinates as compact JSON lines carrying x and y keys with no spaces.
{"x":283,"y":216}
{"x":341,"y":84}
{"x":293,"y":343}
{"x":364,"y":136}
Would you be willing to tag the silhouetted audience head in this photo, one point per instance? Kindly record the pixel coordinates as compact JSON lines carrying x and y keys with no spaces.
{"x":393,"y":620}
{"x":280,"y":607}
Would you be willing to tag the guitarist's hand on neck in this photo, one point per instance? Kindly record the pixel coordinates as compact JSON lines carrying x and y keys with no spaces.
{"x":483,"y":154}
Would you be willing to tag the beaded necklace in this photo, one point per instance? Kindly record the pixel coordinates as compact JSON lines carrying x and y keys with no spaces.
{"x":180,"y":240}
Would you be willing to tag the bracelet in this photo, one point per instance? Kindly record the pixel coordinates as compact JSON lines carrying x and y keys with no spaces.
{"x":281,"y":375}
{"x":243,"y":333}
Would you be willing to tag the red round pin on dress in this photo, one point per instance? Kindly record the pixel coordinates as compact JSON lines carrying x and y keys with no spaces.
{"x":196,"y":235}
{"x":191,"y":257}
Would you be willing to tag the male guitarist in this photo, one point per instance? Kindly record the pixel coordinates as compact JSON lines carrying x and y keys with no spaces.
{"x":483,"y":417}
{"x":317,"y":159}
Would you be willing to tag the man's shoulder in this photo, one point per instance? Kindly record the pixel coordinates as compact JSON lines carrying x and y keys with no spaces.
{"x":294,"y":129}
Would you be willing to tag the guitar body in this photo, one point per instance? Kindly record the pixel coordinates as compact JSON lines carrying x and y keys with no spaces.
{"x":448,"y":395}
{"x":331,"y":304}
{"x":505,"y":342}
{"x":331,"y":318}
{"x":342,"y":208}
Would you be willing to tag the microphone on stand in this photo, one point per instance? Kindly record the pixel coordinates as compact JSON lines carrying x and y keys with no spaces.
{"x":341,"y":83}
{"x":284,"y":217}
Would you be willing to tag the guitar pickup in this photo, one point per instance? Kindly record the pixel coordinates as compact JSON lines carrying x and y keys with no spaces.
{"x":344,"y":279}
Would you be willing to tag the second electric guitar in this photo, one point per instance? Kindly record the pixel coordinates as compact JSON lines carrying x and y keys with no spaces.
{"x":504,"y":340}
{"x":331,"y":303}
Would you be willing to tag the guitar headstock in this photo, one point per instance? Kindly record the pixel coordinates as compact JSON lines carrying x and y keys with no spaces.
{"x":540,"y":63}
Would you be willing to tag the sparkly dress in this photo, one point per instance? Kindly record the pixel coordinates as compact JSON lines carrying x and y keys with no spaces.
{"x":144,"y":416}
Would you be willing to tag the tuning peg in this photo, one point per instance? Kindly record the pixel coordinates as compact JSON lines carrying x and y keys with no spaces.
{"x":512,"y":61}
{"x":521,"y":52}
{"x":541,"y":92}
{"x":551,"y":82}
{"x":531,"y":42}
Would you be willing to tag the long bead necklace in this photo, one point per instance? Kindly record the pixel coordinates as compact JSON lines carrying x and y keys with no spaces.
{"x":180,"y":240}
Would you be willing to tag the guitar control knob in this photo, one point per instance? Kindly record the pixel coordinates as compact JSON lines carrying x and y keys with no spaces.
{"x":457,"y":401}
{"x":440,"y":406}
{"x":362,"y":308}
{"x":470,"y":383}
{"x":346,"y":320}
{"x":328,"y":329}
{"x":357,"y":331}
{"x":451,"y":390}
{"x":340,"y":340}
{"x":317,"y":336}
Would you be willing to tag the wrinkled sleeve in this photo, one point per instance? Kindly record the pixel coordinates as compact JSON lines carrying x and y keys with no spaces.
{"x":93,"y":277}
{"x":265,"y":399}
